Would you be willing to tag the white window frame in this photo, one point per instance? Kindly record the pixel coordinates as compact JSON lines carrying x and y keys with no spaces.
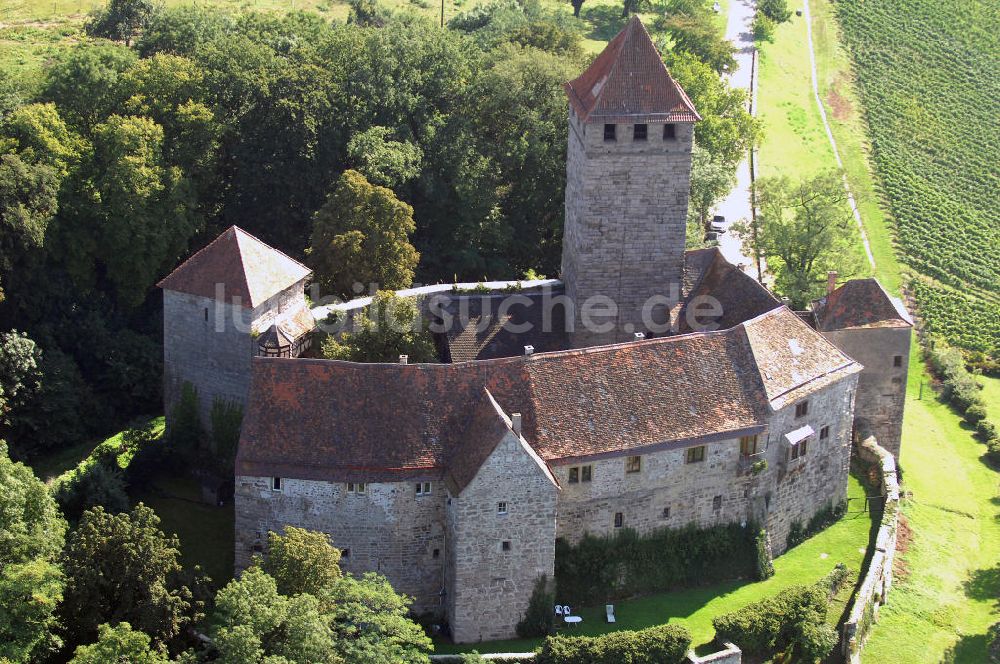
{"x":276,"y":485}
{"x":424,"y":488}
{"x":357,"y":488}
{"x":502,"y":508}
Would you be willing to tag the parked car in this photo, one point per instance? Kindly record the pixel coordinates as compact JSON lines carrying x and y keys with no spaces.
{"x":718,"y":224}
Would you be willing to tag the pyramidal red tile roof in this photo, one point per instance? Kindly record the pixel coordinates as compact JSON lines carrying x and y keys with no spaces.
{"x":249,"y":270}
{"x":860,"y":303}
{"x":628,"y":82}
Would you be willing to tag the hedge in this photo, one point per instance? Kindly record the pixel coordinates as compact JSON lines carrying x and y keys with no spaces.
{"x":794,"y":618}
{"x":627,"y":564}
{"x":663,"y":644}
{"x":961,"y":390}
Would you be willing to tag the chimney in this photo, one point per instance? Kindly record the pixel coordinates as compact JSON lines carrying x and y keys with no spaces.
{"x":529,"y":350}
{"x":515,"y":423}
{"x":831,"y":281}
{"x":639,"y":336}
{"x":404,"y":359}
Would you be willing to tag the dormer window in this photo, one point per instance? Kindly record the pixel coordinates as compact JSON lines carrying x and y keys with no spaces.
{"x":639,"y":132}
{"x":669,"y":132}
{"x":609,"y":132}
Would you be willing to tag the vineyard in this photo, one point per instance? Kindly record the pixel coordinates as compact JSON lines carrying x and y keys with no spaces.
{"x":927,"y":74}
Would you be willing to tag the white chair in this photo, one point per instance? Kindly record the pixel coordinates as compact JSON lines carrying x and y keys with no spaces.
{"x":566,"y":610}
{"x":610,"y":610}
{"x":559,"y":610}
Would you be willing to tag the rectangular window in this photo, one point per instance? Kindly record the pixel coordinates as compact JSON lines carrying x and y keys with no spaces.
{"x":436,"y":553}
{"x":639,"y":132}
{"x":275,"y":484}
{"x":423,"y":488}
{"x":574,"y":475}
{"x":206,"y":315}
{"x":695,"y":454}
{"x":586,"y":472}
{"x":345,"y":553}
{"x":666,"y":513}
{"x":717,"y":503}
{"x":669,"y":132}
{"x":802,"y":409}
{"x":619,"y":519}
{"x":633,"y":464}
{"x":502,"y":507}
{"x":799,"y":449}
{"x":748,"y":445}
{"x":609,"y":132}
{"x":505,"y":545}
{"x":824,"y":433}
{"x":356,"y":487}
{"x":897,"y":361}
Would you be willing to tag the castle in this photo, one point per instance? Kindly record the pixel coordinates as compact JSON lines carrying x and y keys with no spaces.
{"x":647,"y":402}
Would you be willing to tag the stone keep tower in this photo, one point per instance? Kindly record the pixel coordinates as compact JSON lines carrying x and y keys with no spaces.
{"x":232,"y":300}
{"x":628,"y":176}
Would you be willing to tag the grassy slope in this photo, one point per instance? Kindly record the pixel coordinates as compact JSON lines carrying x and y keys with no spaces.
{"x":696,"y":607}
{"x":941,"y":608}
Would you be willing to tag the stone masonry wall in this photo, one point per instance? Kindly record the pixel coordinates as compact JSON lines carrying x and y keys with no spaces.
{"x":799,"y":488}
{"x":489,"y":588}
{"x":786,"y":492}
{"x":210,"y":343}
{"x":882,"y":387}
{"x":626,"y":214}
{"x":388,"y":529}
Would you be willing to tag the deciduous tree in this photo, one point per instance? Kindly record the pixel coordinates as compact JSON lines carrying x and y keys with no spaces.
{"x":711,"y":180}
{"x":362,"y":235}
{"x":121,"y":644}
{"x":302,"y":561}
{"x":31,"y":583}
{"x":121,"y":20}
{"x":389,"y":328}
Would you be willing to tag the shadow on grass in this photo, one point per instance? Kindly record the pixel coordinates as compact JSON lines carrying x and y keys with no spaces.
{"x":970,"y":649}
{"x":984,"y":585}
{"x":605,"y":21}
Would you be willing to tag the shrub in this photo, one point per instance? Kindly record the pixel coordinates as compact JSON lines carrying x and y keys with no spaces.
{"x":185,"y":429}
{"x":538,"y":617}
{"x":765,"y":566}
{"x":993,"y":643}
{"x":975,"y":413}
{"x":776,"y":10}
{"x":227,"y":418}
{"x":830,"y":514}
{"x":626,"y":564}
{"x":664,"y":644}
{"x":993,"y":451}
{"x":98,"y":483}
{"x":986,"y":430}
{"x":790,"y":619}
{"x":763,"y":29}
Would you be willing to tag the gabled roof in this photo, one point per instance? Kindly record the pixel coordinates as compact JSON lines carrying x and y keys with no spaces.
{"x":249,"y":270}
{"x":860,"y":303}
{"x":628,"y":82}
{"x":739,"y":296}
{"x":485,"y":429}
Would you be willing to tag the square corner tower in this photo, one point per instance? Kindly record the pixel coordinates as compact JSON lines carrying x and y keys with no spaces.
{"x":628,"y":177}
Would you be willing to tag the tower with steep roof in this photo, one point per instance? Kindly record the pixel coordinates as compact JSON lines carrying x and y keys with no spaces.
{"x":628,"y":173}
{"x":232,"y":300}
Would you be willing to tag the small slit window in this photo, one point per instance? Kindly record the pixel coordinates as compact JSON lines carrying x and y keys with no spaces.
{"x":436,"y":553}
{"x":609,"y":132}
{"x":206,"y":316}
{"x":665,"y":514}
{"x":639,"y":132}
{"x":669,"y":132}
{"x":275,"y":484}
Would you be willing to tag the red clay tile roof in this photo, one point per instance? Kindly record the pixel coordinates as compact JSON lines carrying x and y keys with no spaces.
{"x":739,"y":296}
{"x":340,"y":421}
{"x":789,"y":354}
{"x":628,"y":82}
{"x":250,"y":271}
{"x":860,"y":303}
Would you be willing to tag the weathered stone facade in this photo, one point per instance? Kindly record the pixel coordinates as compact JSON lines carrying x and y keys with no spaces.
{"x":626,"y":215}
{"x":388,"y":528}
{"x":503,"y":530}
{"x":885,"y":354}
{"x":209,"y":342}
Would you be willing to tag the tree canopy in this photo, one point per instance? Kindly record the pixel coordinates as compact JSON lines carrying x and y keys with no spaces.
{"x":391,"y":326}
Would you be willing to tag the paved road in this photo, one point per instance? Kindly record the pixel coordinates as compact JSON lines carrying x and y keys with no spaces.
{"x":736,"y":205}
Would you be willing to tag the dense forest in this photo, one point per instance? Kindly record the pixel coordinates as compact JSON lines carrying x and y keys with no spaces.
{"x":132,"y":152}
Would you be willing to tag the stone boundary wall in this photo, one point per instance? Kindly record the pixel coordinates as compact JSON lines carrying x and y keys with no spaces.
{"x":875,"y":585}
{"x":730,"y":655}
{"x":510,"y":657}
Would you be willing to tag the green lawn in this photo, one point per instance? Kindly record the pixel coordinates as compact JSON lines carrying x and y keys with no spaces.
{"x":695,"y":608}
{"x":991,"y":392}
{"x":205,"y":531}
{"x":949,"y":592}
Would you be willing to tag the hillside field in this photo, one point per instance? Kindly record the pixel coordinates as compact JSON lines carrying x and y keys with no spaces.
{"x":926,"y":75}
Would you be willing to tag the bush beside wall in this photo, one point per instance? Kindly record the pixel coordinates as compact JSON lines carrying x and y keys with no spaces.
{"x":626,"y":564}
{"x":663,"y":644}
